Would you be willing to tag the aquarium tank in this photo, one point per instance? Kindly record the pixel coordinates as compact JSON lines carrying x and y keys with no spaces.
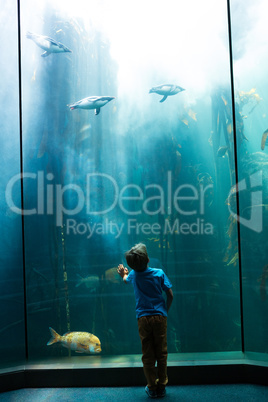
{"x":126,"y":122}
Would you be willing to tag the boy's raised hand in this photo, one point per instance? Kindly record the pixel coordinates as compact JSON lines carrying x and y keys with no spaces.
{"x":122,"y":270}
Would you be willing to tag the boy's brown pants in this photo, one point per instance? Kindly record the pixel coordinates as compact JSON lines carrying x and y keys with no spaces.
{"x":153,"y":335}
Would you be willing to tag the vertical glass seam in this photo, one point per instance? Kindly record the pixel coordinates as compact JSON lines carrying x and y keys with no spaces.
{"x":21,"y":180}
{"x":236,"y":172}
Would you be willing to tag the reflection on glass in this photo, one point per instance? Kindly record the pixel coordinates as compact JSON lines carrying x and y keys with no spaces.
{"x":12,"y":327}
{"x":250,"y":61}
{"x":128,"y":137}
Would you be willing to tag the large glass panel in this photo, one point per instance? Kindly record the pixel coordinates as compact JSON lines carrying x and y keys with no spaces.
{"x":136,"y":161}
{"x":12,"y":329}
{"x":250,"y":70}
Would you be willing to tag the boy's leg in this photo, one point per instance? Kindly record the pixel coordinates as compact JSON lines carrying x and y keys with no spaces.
{"x":160,"y":337}
{"x":148,"y":352}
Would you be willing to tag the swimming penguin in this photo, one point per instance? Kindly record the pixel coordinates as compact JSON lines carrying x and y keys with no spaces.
{"x":166,"y":90}
{"x":48,"y":44}
{"x":93,"y":102}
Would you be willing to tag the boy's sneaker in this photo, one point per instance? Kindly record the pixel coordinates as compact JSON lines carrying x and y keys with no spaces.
{"x":161,"y":392}
{"x":150,"y":393}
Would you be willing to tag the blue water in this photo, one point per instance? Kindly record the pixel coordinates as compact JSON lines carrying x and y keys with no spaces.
{"x":140,"y":170}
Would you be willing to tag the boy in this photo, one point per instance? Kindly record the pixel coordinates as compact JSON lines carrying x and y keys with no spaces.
{"x":151,"y":312}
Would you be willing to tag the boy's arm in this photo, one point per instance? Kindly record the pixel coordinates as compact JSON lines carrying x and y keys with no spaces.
{"x":169,"y":294}
{"x":123,"y":272}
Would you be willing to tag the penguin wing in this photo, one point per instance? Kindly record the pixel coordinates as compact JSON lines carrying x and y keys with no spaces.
{"x":58,"y":44}
{"x":53,"y":41}
{"x":163,"y":99}
{"x":45,"y":54}
{"x":61,"y":46}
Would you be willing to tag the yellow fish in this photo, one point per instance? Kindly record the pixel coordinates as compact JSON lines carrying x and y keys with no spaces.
{"x":264,"y":138}
{"x":230,"y":128}
{"x":112,"y":276}
{"x":34,"y":76}
{"x":224,"y":100}
{"x":91,"y":281}
{"x":234,"y":259}
{"x":192,"y":114}
{"x":80,"y":342}
{"x":185,"y":121}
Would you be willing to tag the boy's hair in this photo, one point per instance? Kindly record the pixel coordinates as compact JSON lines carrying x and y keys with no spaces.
{"x":137,"y":257}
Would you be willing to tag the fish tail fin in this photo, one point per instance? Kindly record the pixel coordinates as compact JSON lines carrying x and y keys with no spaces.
{"x":80,"y":281}
{"x":55,"y":337}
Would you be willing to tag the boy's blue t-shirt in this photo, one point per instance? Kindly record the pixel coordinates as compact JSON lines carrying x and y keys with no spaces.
{"x":148,"y":286}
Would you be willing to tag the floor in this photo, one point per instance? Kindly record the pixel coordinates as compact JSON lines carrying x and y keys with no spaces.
{"x":187,"y":393}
